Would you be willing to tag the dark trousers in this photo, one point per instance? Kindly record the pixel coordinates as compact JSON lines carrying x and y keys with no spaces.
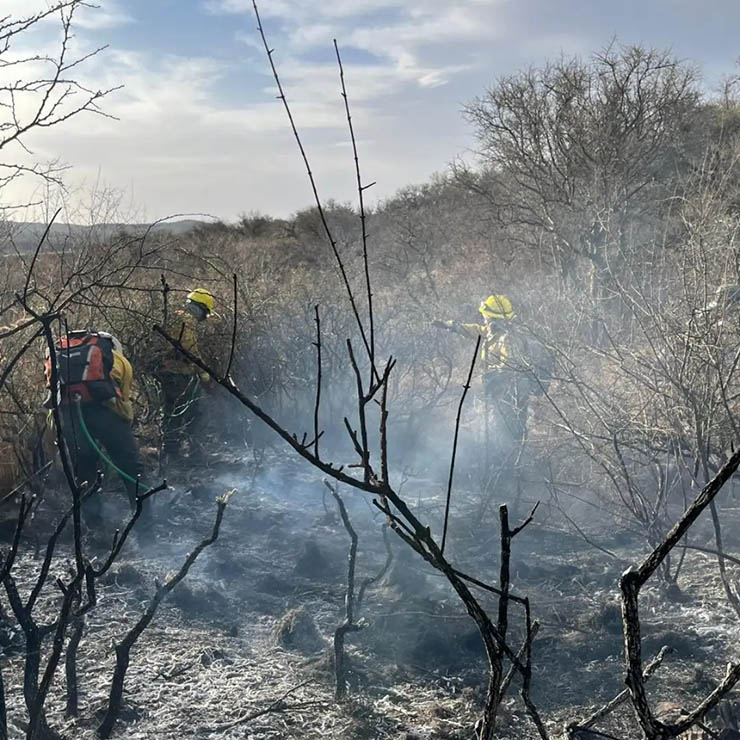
{"x":181,"y":411}
{"x":509,"y":394}
{"x":113,"y":434}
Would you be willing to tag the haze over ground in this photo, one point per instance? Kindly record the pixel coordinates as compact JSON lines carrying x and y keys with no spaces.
{"x":199,"y":129}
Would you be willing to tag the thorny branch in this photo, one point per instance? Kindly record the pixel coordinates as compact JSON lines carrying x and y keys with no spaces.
{"x":363,"y":218}
{"x":329,"y":235}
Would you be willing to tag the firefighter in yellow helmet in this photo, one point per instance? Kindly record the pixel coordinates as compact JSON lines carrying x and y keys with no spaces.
{"x":181,"y":380}
{"x":515,"y":367}
{"x":497,"y":312}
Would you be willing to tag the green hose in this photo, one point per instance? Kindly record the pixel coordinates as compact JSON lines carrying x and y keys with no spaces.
{"x":192,"y":397}
{"x":102,"y":454}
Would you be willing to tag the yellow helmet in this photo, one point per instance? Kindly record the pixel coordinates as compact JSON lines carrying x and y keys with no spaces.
{"x":497,"y":307}
{"x":202,"y":297}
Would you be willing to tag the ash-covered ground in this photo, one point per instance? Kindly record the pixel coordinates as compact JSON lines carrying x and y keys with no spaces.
{"x":243,"y":647}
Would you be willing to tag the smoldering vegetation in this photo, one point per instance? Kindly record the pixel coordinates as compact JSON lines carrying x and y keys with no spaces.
{"x":383,"y":595}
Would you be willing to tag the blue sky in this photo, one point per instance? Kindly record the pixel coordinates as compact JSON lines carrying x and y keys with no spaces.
{"x":199,"y":129}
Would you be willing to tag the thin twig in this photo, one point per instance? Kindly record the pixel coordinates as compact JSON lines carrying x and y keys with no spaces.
{"x":24,"y":510}
{"x":330,"y":236}
{"x":610,"y":706}
{"x":371,"y":580}
{"x":383,"y":421}
{"x":361,"y":198}
{"x":466,"y":388}
{"x":233,"y":328}
{"x":318,"y":382}
{"x":165,"y":295}
{"x":710,"y":551}
{"x":64,"y":455}
{"x":362,"y":399}
{"x":521,"y":655}
{"x":36,"y":254}
{"x":26,"y":480}
{"x":275,"y":706}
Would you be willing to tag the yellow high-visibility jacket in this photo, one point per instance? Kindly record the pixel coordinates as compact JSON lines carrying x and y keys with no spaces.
{"x":494,"y":350}
{"x":511,"y":353}
{"x":123,"y":374}
{"x":183,"y":326}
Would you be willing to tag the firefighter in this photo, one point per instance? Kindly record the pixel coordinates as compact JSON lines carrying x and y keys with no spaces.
{"x":94,"y":398}
{"x":181,"y":380}
{"x":514,"y":367}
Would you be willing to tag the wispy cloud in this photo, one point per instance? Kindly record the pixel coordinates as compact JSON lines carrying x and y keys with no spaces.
{"x":407,"y":36}
{"x":103,"y":14}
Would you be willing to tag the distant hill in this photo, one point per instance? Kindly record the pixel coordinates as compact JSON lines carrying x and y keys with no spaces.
{"x":24,"y":235}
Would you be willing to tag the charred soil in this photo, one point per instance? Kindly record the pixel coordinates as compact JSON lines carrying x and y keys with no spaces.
{"x":243,"y":647}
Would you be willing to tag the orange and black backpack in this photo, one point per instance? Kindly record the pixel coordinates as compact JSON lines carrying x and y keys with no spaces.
{"x":84,"y":364}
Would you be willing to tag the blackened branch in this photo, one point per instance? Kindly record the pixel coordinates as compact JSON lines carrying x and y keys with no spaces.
{"x":233,"y":327}
{"x":631,"y":582}
{"x":317,"y":405}
{"x":466,"y":388}
{"x":123,"y":648}
{"x":372,"y":580}
{"x":348,"y":624}
{"x":165,"y":298}
{"x":361,"y":404}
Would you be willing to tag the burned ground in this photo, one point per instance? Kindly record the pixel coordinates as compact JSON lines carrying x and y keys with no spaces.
{"x":242,"y":648}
